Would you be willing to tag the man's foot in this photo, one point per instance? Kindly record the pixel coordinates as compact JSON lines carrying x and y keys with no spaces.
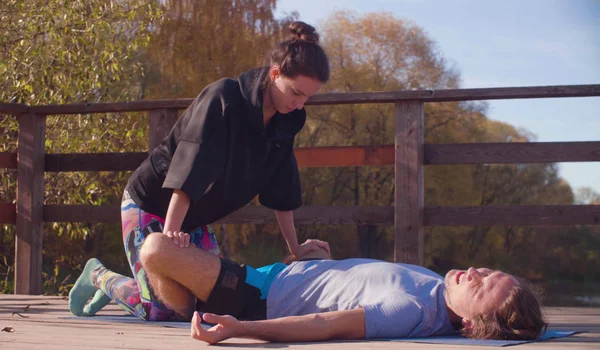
{"x":84,"y":289}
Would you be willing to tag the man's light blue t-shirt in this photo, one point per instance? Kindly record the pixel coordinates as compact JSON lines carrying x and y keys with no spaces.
{"x":399,"y":300}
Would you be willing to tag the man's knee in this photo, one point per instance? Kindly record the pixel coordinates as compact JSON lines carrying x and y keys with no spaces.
{"x":154,"y":248}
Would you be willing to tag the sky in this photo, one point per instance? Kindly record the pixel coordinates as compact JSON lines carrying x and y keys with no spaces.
{"x":508,"y":43}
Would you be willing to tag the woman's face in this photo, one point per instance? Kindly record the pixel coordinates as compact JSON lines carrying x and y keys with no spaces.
{"x":288,"y":94}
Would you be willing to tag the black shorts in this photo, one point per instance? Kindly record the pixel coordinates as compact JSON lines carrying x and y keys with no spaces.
{"x":233,"y":296}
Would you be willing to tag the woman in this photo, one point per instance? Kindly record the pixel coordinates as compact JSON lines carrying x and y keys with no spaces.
{"x":235,"y":141}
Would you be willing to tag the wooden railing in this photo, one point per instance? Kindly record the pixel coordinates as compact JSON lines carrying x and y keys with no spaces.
{"x":408,"y":155}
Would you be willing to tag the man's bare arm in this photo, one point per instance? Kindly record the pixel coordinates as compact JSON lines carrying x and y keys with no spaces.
{"x":347,"y":324}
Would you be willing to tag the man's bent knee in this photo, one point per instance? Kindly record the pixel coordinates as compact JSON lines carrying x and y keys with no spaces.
{"x":154,"y":246}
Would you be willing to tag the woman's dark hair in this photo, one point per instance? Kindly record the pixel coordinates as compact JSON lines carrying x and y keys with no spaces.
{"x":301,"y":54}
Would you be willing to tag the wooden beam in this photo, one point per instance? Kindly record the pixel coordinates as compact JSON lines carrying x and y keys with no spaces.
{"x":61,"y":162}
{"x":409,"y":193}
{"x":512,"y":153}
{"x":8,"y":213}
{"x":8,"y":160}
{"x":30,"y":201}
{"x":513,"y":215}
{"x":82,"y":213}
{"x":308,"y":215}
{"x":13,"y":108}
{"x":345,"y":156}
{"x":311,"y":215}
{"x":112,"y":107}
{"x":312,"y":157}
{"x":161,"y":123}
{"x":448,"y":95}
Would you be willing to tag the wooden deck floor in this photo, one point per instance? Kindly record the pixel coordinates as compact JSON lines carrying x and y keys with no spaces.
{"x":45,"y":327}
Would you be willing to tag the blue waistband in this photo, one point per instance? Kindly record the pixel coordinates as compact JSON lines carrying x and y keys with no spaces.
{"x":262,"y":277}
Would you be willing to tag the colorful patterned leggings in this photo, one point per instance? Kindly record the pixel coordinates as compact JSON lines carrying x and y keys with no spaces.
{"x":135,"y":294}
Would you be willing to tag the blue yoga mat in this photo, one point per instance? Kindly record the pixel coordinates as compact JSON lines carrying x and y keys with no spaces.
{"x":450,"y":340}
{"x":458,"y":340}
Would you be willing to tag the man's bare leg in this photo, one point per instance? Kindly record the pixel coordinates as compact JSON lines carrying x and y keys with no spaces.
{"x":173,"y":295}
{"x":174,"y":272}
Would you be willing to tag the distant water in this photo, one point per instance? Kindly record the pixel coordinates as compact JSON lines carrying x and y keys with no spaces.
{"x":588,"y":300}
{"x":572,"y":300}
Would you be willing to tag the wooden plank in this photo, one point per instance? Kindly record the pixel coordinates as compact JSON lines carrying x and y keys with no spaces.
{"x":30,"y":201}
{"x":464,"y":153}
{"x":512,"y":153}
{"x":8,"y":213}
{"x":8,"y":160}
{"x":409,"y":192}
{"x":310,"y":157}
{"x":512,"y":215}
{"x":50,"y":326}
{"x":350,"y":98}
{"x":13,"y":108}
{"x":94,"y":161}
{"x":113,"y":107}
{"x":448,"y":95}
{"x":251,"y":214}
{"x":160,"y":124}
{"x":344,"y":156}
{"x":82,"y":213}
{"x":311,"y":215}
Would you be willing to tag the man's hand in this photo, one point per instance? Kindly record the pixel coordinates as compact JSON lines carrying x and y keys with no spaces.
{"x":180,"y":238}
{"x":347,"y":324}
{"x":227,"y":327}
{"x":286,"y":223}
{"x":311,"y":245}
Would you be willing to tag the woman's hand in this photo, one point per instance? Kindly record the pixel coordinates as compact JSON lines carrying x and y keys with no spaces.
{"x":311,"y":245}
{"x":180,"y":238}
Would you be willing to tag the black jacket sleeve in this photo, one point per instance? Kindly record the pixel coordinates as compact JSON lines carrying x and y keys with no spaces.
{"x":284,"y":191}
{"x":199,"y":159}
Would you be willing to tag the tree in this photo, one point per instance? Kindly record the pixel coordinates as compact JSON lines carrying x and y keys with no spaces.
{"x":378,"y":52}
{"x":374,"y":52}
{"x":203,"y":41}
{"x":54,"y":52}
{"x":586,"y":195}
{"x":70,"y":51}
{"x":96,"y":51}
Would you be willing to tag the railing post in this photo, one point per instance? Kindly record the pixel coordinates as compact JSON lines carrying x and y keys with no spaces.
{"x":161,"y":122}
{"x":409,"y":194}
{"x":30,"y":203}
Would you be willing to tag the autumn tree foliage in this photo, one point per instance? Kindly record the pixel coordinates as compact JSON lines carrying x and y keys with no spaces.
{"x":97,"y":51}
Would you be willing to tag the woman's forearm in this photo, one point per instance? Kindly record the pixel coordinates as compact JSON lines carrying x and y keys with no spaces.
{"x":178,"y":207}
{"x":288,"y":230}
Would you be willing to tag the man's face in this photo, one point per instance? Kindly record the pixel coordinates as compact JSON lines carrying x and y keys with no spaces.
{"x":477,"y":291}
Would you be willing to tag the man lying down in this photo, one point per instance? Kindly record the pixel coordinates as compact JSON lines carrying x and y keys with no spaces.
{"x":317,"y":300}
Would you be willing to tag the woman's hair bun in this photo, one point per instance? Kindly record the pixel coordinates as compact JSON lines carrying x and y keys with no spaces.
{"x":304,"y":32}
